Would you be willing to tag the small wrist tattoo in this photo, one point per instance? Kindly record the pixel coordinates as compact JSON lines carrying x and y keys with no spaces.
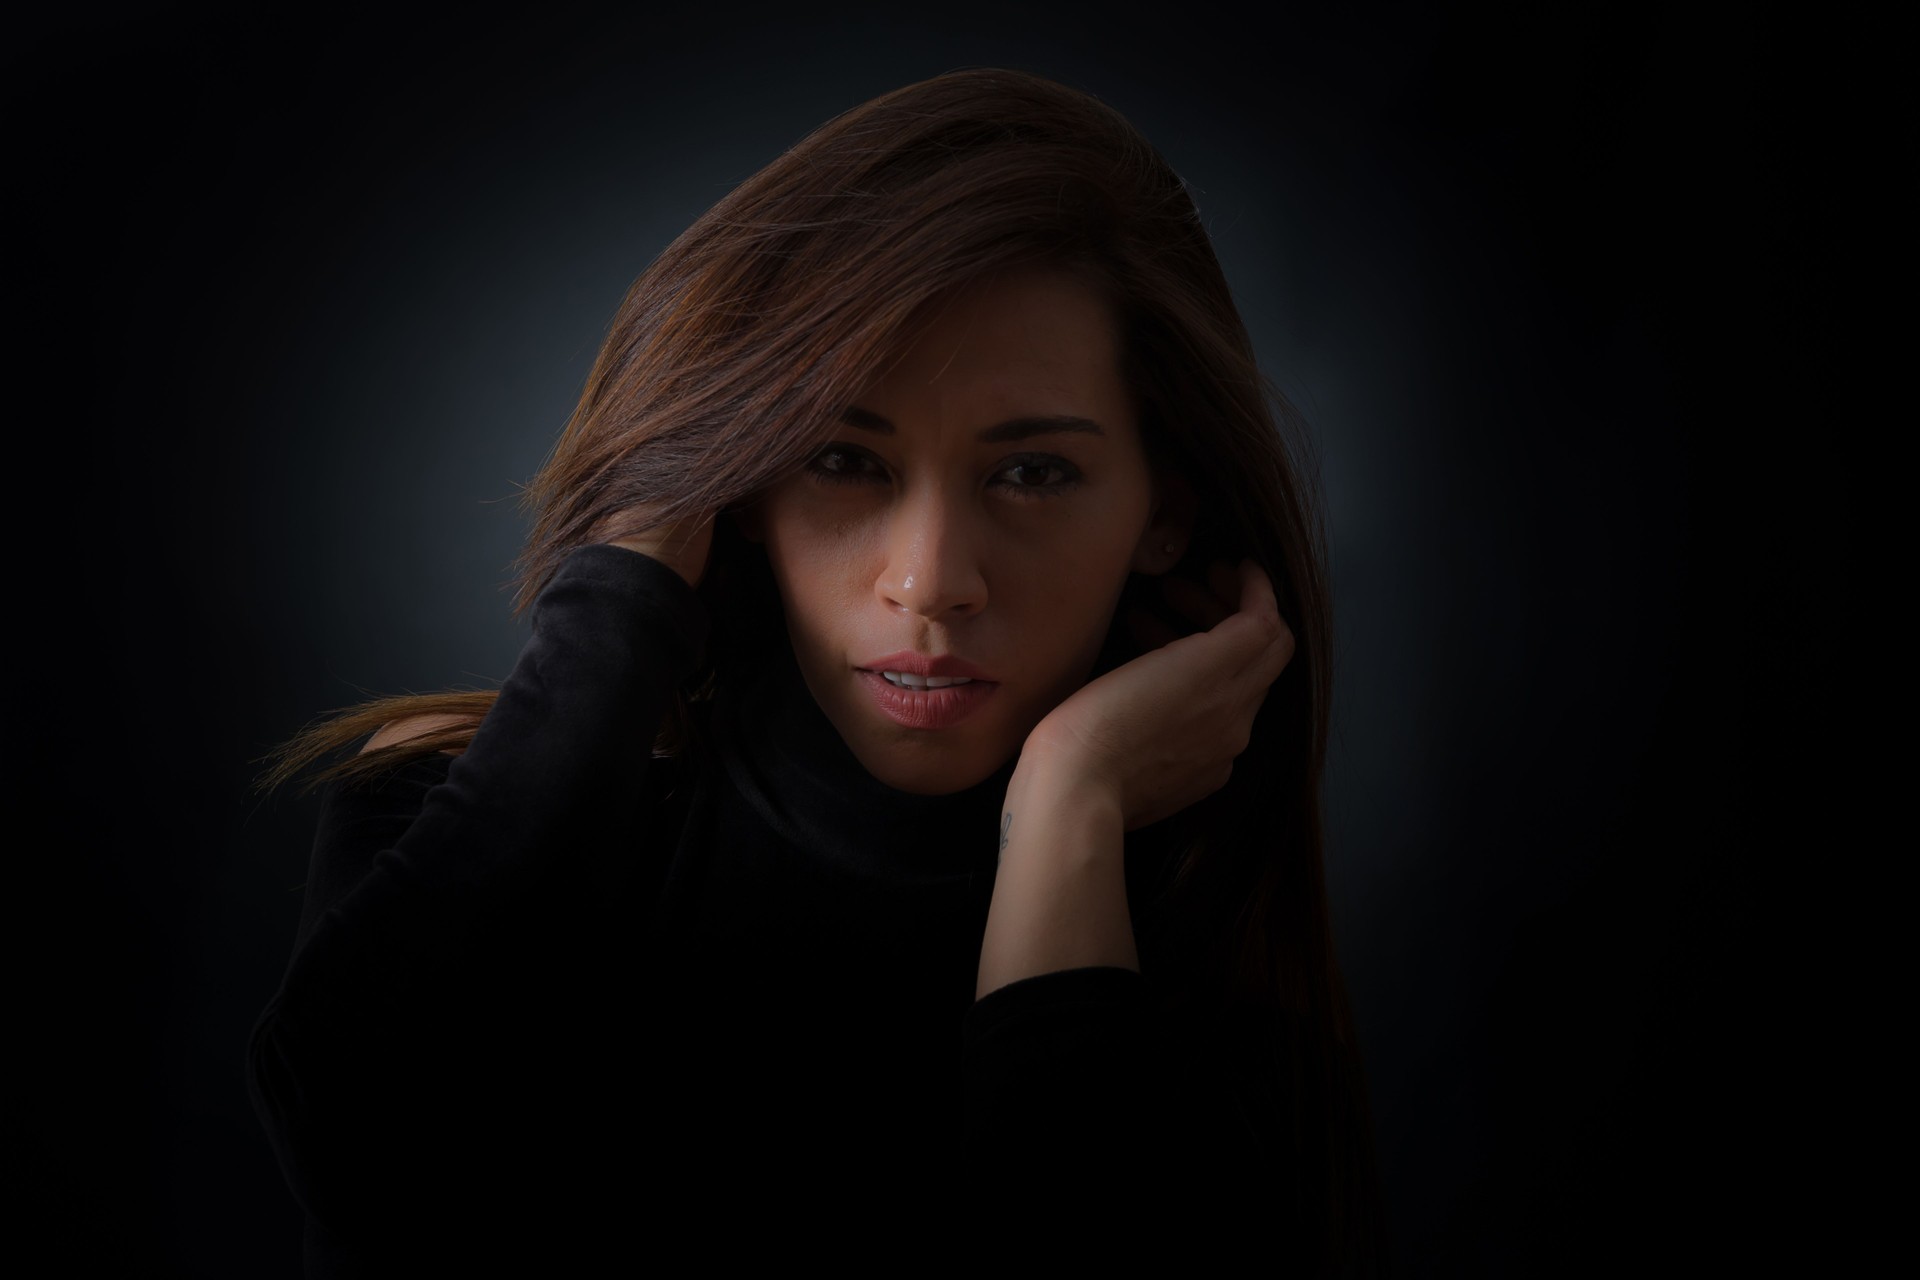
{"x":1006,"y":821}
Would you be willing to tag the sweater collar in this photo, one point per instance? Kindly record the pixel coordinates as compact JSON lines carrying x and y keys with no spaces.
{"x":789,"y":762}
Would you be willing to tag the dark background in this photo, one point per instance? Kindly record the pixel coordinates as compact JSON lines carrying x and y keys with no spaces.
{"x":299,"y":300}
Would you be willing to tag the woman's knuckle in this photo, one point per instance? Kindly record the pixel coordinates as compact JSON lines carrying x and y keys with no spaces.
{"x":1276,"y":630}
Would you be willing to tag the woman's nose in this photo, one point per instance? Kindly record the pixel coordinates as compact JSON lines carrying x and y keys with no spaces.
{"x":932,"y":559}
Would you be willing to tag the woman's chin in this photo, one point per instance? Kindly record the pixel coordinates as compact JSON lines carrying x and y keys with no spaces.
{"x":929,"y":773}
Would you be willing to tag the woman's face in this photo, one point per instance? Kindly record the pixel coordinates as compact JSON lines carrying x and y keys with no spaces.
{"x":976,"y":512}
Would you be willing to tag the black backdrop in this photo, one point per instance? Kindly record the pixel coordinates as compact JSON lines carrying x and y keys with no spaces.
{"x":298,"y":300}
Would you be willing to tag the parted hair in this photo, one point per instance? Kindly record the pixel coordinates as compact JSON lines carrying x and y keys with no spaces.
{"x":730,"y":359}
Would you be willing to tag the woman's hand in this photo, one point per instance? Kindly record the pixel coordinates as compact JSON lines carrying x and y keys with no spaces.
{"x":1162,"y":731}
{"x":1139,"y":744}
{"x":682,"y":547}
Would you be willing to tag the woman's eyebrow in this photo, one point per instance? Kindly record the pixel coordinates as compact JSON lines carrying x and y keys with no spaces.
{"x":1011,"y":429}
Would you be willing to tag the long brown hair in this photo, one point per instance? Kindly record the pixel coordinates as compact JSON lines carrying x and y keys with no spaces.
{"x":732,"y":356}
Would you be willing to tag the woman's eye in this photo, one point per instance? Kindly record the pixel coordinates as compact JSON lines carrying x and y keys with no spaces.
{"x":1041,"y":475}
{"x":841,"y":465}
{"x":1037,"y":475}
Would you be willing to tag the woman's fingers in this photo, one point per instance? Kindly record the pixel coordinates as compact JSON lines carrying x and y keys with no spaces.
{"x":684,"y":547}
{"x":1264,"y":648}
{"x":1275,"y":644}
{"x":1227,"y":581}
{"x":1225,"y":593}
{"x":1164,"y":728}
{"x":1205,"y":608}
{"x":1150,"y":631}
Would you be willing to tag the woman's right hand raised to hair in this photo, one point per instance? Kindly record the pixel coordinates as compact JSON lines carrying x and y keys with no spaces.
{"x":683,"y":547}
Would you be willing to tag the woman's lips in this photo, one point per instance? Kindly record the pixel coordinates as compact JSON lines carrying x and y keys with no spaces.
{"x":912,"y":662}
{"x":926,"y":708}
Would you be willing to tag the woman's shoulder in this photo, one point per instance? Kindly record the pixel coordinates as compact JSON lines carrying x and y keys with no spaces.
{"x":399,"y":791}
{"x":380,"y":804}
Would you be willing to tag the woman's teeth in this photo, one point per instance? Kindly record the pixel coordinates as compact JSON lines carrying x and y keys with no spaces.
{"x":908,"y":681}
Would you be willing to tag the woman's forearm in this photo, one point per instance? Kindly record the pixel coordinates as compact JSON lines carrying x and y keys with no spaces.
{"x":1060,"y":895}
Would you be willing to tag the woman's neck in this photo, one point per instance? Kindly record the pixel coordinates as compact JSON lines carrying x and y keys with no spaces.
{"x":790,"y":763}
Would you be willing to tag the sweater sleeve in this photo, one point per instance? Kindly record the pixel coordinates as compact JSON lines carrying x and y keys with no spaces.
{"x":434,"y":907}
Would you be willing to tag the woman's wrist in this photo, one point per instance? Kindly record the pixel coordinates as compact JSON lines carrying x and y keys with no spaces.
{"x":1054,"y":790}
{"x":1060,"y":894}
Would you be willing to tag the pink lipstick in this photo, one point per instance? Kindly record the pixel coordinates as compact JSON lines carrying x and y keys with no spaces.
{"x":918,"y":689}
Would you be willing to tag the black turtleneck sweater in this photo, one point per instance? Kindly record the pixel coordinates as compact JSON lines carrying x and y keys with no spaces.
{"x":554,"y":999}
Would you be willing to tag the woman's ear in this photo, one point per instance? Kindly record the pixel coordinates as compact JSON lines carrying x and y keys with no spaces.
{"x":1170,"y":528}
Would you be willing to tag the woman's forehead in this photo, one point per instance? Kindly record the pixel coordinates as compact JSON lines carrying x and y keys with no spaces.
{"x":1033,"y":345}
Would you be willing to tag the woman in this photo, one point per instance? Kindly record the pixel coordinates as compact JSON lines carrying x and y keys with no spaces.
{"x":905,"y":810}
